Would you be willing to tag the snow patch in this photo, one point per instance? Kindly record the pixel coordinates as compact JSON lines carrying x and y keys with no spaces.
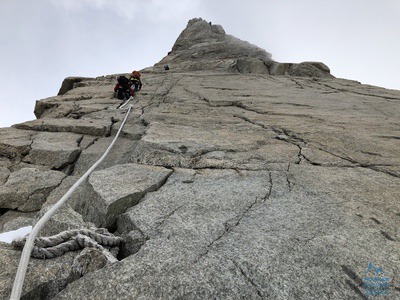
{"x":9,"y":236}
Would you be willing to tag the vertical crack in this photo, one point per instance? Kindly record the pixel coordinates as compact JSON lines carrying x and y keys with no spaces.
{"x":228,"y":228}
{"x":268,"y":195}
{"x":6,"y":179}
{"x":299,"y":155}
{"x":79,"y":141}
{"x":290,"y":184}
{"x":26,"y":151}
{"x":248,"y":279}
{"x":164,"y":94}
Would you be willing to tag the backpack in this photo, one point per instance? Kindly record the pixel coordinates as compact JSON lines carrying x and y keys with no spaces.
{"x":123,"y":80}
{"x":136,"y":74}
{"x":123,"y":93}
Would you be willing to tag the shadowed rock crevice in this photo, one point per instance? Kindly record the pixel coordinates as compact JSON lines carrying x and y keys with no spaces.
{"x":69,"y":167}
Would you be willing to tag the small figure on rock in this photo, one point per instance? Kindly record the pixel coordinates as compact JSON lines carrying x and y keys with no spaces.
{"x":135,"y":81}
{"x":123,"y":88}
{"x":166,"y":67}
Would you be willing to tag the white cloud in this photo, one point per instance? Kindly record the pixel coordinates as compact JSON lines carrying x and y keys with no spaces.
{"x":149,"y":9}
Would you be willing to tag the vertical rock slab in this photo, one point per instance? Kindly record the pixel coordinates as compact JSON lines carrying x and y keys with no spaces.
{"x":15,"y":142}
{"x":66,"y":218}
{"x":44,"y":278}
{"x":13,"y":220}
{"x":4,"y":173}
{"x":28,"y":188}
{"x":184,"y":222}
{"x":222,"y":234}
{"x":119,"y":154}
{"x":111,"y":191}
{"x":55,"y":150}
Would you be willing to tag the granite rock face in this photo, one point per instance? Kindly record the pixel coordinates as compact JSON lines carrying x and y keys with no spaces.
{"x":55,"y":151}
{"x":235,"y":177}
{"x":45,"y":278}
{"x":28,"y":188}
{"x":113,"y":190}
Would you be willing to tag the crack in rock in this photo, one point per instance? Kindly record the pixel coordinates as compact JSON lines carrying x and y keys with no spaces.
{"x":295,"y":81}
{"x":172,"y":83}
{"x":228,"y":227}
{"x":388,"y":98}
{"x":357,"y":164}
{"x":103,"y":203}
{"x":248,"y":279}
{"x":356,"y":282}
{"x":283,"y":134}
{"x":292,"y":138}
{"x":289,"y":176}
{"x":169,"y":215}
{"x":271,"y":185}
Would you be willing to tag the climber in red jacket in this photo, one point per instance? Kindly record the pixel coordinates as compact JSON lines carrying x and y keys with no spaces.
{"x":135,"y":81}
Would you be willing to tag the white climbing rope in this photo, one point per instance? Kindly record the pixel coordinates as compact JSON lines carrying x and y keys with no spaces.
{"x":26,"y":253}
{"x":71,"y":240}
{"x":123,"y":105}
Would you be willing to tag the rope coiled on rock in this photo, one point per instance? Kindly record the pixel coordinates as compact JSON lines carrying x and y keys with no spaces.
{"x":71,"y":240}
{"x":26,"y":252}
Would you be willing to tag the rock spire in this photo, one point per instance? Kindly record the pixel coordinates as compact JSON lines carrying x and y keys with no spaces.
{"x":204,"y":46}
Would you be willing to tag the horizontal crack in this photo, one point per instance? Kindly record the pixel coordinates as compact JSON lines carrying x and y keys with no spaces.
{"x":290,"y":137}
{"x":283,"y":133}
{"x":362,"y":94}
{"x":372,"y":167}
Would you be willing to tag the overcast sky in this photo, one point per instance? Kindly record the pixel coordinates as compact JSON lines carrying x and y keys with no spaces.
{"x":44,"y":41}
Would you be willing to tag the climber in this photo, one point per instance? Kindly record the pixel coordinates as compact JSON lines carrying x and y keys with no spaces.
{"x":134,"y":80}
{"x":123,"y":88}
